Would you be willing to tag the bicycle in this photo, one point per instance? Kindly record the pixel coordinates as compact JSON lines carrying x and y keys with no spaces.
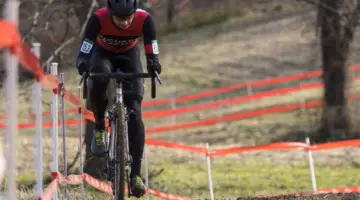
{"x":117,"y":154}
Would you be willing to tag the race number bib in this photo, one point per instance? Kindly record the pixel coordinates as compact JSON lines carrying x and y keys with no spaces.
{"x":155,"y":47}
{"x":86,"y":46}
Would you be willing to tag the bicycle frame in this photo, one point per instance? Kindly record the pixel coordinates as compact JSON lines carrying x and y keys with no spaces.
{"x":117,"y":144}
{"x":119,"y":106}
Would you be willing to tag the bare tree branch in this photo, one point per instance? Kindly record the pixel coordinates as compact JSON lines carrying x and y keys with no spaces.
{"x":354,"y":18}
{"x":58,"y":50}
{"x":348,"y":5}
{"x":318,"y":3}
{"x":93,"y":6}
{"x":33,"y":27}
{"x":326,"y":7}
{"x":72,"y":39}
{"x":36,"y":16}
{"x":53,"y":37}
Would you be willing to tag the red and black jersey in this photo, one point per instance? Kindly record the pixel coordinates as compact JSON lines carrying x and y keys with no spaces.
{"x":101,"y":31}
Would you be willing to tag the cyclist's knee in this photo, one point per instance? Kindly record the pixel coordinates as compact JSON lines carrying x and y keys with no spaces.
{"x":133,"y":104}
{"x":100,"y":66}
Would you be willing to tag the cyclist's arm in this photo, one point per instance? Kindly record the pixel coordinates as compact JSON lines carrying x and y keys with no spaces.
{"x":88,"y":41}
{"x":149,"y":33}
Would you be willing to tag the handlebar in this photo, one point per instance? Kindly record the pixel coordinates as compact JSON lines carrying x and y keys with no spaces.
{"x":119,"y":76}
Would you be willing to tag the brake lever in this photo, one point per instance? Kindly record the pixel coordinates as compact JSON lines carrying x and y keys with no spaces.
{"x":83,"y":78}
{"x":158,"y":78}
{"x":153,"y":87}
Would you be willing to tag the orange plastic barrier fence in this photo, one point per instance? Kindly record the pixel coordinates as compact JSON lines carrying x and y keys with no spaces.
{"x":253,"y":84}
{"x":44,"y":124}
{"x":354,"y":189}
{"x":60,"y":180}
{"x":332,"y":145}
{"x":225,"y":102}
{"x":241,"y":149}
{"x":230,"y":101}
{"x":240,"y":115}
{"x":231,"y":117}
{"x":44,"y":114}
{"x":172,"y":145}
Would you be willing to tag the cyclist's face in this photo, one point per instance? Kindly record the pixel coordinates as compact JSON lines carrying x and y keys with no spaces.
{"x":123,"y":22}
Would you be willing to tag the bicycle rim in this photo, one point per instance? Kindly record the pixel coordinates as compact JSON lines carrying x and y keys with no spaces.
{"x":119,"y":181}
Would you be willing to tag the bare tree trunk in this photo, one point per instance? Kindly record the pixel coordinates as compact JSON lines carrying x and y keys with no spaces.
{"x":335,"y":40}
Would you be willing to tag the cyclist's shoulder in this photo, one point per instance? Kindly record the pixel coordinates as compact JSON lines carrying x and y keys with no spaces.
{"x":141,"y":13}
{"x":102,"y":12}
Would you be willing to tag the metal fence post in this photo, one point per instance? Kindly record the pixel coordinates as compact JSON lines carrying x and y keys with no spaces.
{"x":61,"y":90}
{"x":311,"y":165}
{"x":208,"y":163}
{"x":55,"y":127}
{"x":38,"y":137}
{"x":80,"y":139}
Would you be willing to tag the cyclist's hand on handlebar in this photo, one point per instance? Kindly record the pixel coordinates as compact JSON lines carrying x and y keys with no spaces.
{"x":82,"y":68}
{"x":153,"y":64}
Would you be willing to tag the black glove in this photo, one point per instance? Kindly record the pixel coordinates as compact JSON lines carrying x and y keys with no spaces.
{"x":82,"y":67}
{"x":153,"y":64}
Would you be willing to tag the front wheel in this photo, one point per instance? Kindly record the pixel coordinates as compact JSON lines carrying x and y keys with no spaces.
{"x":119,"y":179}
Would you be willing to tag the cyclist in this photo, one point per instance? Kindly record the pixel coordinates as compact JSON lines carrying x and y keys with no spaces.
{"x":111,"y":34}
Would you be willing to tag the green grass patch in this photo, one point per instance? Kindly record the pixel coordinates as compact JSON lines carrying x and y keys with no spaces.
{"x":234,"y":179}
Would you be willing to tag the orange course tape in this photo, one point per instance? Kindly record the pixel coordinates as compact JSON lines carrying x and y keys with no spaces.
{"x":59,"y":179}
{"x":231,"y":117}
{"x":225,"y":102}
{"x":253,"y":84}
{"x":239,"y":115}
{"x":9,"y":35}
{"x":172,"y":145}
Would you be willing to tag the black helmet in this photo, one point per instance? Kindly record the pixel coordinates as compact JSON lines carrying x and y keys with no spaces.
{"x":122,"y":7}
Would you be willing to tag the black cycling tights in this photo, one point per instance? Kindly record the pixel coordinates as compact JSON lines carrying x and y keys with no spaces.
{"x":101,"y":62}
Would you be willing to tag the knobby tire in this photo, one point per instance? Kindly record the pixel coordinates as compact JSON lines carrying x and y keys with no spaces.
{"x":119,"y":179}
